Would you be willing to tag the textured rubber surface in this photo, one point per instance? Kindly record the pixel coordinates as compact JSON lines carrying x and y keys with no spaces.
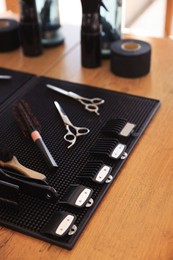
{"x":9,"y":86}
{"x":32,"y":214}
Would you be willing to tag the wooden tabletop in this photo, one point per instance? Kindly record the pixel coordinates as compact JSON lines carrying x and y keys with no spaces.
{"x":134,"y":220}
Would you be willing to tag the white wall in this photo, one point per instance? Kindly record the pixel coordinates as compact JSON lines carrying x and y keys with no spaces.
{"x":133,"y":10}
{"x":70,"y":12}
{"x":2,"y":6}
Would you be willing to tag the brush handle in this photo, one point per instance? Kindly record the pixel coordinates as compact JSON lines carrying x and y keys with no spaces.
{"x":14,"y":164}
{"x":46,"y":154}
{"x":29,"y":122}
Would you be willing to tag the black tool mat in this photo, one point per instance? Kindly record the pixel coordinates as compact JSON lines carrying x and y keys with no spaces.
{"x":9,"y":86}
{"x":37,"y":217}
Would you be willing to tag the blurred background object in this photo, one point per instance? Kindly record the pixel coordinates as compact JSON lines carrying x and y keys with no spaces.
{"x":49,"y":17}
{"x":111,"y":23}
{"x":30,"y":33}
{"x":145,"y":17}
{"x":90,"y":34}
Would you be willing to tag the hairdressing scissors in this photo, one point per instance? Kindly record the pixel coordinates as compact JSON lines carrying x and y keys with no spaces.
{"x":91,"y":104}
{"x":72,"y":131}
{"x":5,"y":77}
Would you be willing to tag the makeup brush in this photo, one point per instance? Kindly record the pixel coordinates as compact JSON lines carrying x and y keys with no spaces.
{"x":8,"y":160}
{"x":31,"y":129}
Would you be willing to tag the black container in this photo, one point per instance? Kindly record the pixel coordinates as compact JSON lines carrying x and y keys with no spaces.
{"x":90,"y":40}
{"x":29,"y":28}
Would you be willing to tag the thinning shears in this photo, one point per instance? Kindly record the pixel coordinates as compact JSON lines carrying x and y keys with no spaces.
{"x":72,"y":131}
{"x":91,"y":104}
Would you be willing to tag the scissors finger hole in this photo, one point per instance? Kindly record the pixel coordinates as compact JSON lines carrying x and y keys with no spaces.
{"x":97,"y":101}
{"x":69,"y":137}
{"x":86,"y":102}
{"x":92,"y":107}
{"x":83,"y":130}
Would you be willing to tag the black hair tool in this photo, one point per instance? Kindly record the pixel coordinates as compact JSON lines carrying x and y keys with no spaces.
{"x":8,"y":160}
{"x":90,"y":34}
{"x":109,"y":34}
{"x":31,"y":129}
{"x":32,"y":187}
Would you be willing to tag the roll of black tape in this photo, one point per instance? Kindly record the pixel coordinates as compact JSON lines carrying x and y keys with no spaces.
{"x":130,"y":58}
{"x":9,"y":35}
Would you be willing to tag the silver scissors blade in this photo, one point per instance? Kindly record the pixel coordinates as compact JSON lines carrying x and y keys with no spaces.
{"x":5,"y":77}
{"x":64,"y":92}
{"x":69,"y":136}
{"x":91,"y":104}
{"x":59,"y":90}
{"x":63,"y":115}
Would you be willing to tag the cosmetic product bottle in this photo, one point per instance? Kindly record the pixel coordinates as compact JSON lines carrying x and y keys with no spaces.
{"x":29,"y":28}
{"x":90,"y":34}
{"x":49,"y":17}
{"x":111,"y":23}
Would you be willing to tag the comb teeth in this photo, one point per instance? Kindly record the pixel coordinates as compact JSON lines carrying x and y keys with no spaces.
{"x":23,"y":113}
{"x":104,"y":146}
{"x":114,"y":126}
{"x":110,"y":147}
{"x":91,"y":169}
{"x":97,"y":171}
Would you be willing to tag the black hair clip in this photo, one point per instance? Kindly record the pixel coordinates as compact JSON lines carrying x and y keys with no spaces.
{"x":97,"y":171}
{"x":110,"y":147}
{"x":120,"y":128}
{"x":78,"y":196}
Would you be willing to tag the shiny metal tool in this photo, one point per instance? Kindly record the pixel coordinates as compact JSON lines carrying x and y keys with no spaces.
{"x":70,"y":136}
{"x":5,"y":77}
{"x":91,"y":104}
